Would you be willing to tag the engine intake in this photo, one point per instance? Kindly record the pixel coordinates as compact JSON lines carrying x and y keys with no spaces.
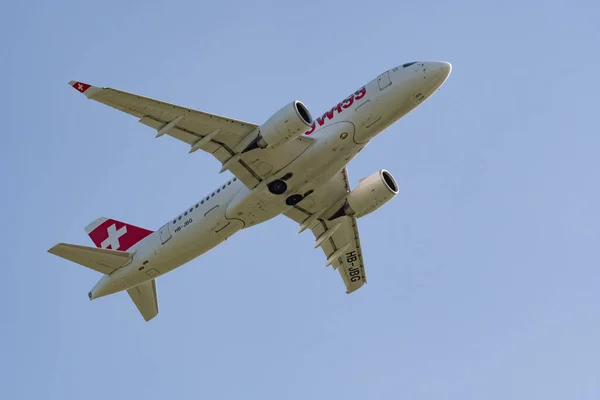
{"x":371,"y":193}
{"x":289,"y":122}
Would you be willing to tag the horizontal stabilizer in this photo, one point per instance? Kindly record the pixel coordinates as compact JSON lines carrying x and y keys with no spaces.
{"x":146,"y":299}
{"x":101,"y":260}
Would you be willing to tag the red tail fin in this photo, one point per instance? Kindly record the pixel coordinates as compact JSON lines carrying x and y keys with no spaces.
{"x":111,"y":234}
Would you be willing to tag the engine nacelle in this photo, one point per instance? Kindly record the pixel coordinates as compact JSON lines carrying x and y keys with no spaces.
{"x":371,"y":193}
{"x":286,"y":124}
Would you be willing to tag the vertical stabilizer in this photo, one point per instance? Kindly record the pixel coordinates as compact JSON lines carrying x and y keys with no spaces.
{"x":111,"y":234}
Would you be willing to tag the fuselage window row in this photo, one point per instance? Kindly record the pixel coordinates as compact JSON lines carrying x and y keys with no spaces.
{"x":203,"y":200}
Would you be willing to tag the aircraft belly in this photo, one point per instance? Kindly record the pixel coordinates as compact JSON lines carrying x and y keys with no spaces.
{"x":208,"y":233}
{"x":255,"y":206}
{"x":328,"y":155}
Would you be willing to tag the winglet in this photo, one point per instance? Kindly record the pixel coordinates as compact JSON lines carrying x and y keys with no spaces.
{"x":84,"y":88}
{"x":80,"y":86}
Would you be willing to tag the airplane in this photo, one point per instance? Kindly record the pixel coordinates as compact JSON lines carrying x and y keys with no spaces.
{"x":291,"y":165}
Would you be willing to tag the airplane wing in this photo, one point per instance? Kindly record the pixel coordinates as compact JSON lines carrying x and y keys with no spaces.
{"x":222,"y":137}
{"x":336,"y":235}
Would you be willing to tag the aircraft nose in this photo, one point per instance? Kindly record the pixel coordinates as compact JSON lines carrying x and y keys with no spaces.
{"x":440,"y":68}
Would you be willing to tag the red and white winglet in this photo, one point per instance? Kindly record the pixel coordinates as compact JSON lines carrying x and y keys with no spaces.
{"x":85,"y":88}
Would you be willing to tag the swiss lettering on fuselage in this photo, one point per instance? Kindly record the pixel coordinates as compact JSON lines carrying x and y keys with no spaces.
{"x":339,"y":108}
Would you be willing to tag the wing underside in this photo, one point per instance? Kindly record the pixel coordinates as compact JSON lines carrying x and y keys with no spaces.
{"x":102,"y":260}
{"x":224,"y":138}
{"x":337,"y":236}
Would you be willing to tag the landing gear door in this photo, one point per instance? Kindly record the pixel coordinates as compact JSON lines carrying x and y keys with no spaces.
{"x":383,"y":80}
{"x":165,"y":234}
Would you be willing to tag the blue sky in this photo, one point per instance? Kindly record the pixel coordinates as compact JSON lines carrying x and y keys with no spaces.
{"x":483,"y":271}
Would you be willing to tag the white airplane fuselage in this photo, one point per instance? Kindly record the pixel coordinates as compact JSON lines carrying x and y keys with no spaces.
{"x":338,"y":137}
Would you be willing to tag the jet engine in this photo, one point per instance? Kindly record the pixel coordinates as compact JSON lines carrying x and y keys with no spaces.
{"x":286,"y":124}
{"x":371,"y":193}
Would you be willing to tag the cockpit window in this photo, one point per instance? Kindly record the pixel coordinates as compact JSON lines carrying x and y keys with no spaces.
{"x":408,"y":64}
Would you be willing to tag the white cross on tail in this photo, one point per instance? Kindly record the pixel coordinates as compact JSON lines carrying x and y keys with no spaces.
{"x":113,"y":237}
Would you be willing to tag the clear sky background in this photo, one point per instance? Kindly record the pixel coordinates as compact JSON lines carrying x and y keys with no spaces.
{"x":483,"y":272}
